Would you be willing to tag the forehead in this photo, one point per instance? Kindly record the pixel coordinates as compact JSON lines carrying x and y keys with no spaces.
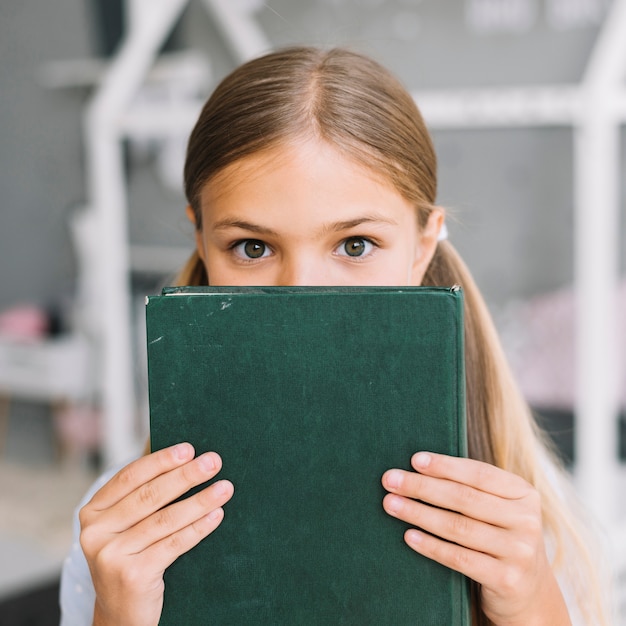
{"x":285,"y":168}
{"x":301,"y":191}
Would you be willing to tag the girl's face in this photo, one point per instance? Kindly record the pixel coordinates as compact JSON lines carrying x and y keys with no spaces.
{"x":306,"y":215}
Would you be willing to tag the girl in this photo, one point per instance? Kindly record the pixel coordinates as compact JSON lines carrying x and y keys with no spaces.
{"x":311,"y":167}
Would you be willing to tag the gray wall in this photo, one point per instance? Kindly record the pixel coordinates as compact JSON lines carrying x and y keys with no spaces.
{"x":509,"y":192}
{"x":41,"y":176}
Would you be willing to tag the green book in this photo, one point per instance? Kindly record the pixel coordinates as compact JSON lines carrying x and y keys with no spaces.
{"x":309,"y":394}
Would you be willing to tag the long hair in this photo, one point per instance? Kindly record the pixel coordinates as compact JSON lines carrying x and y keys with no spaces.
{"x":351,"y":102}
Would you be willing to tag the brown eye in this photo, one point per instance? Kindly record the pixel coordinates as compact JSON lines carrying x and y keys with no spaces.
{"x":254,"y":249}
{"x":355,"y":246}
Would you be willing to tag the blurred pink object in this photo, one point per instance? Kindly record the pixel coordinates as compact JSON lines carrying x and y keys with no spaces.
{"x":24,"y":323}
{"x":78,"y":428}
{"x":544,"y":359}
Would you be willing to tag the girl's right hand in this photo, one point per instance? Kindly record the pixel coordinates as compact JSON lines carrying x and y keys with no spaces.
{"x":131,"y":530}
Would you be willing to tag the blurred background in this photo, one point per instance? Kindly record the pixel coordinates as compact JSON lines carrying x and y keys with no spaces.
{"x":526,"y":102}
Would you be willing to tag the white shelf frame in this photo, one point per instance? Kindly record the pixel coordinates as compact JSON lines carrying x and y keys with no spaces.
{"x":594,"y":109}
{"x":110,"y":118}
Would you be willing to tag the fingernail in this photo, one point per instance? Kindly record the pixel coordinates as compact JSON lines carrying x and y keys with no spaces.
{"x":393,"y":504}
{"x":223,"y":488}
{"x":207,"y":461}
{"x":393,"y":479}
{"x":413,"y":536}
{"x":182,"y":451}
{"x":215,"y":515}
{"x":422,"y":459}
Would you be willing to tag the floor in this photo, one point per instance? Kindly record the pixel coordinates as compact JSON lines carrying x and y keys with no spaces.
{"x":36,"y":505}
{"x":38,"y":495}
{"x":35,"y":607}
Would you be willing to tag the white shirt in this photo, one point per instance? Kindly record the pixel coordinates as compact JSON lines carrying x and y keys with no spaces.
{"x":77,"y":595}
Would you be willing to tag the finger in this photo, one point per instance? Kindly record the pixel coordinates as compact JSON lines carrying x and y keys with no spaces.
{"x":482,"y":568}
{"x":166,"y":551}
{"x":140,"y":472}
{"x":451,"y":495}
{"x":175,"y":517}
{"x":160,"y":491}
{"x":454,"y":527}
{"x":482,"y":476}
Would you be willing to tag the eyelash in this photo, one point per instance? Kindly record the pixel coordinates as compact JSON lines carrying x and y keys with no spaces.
{"x":246,"y":259}
{"x":357,"y":258}
{"x":242,"y":257}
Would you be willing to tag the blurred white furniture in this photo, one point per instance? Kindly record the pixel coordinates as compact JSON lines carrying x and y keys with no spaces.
{"x":51,"y":371}
{"x":595,"y":110}
{"x":115,"y":113}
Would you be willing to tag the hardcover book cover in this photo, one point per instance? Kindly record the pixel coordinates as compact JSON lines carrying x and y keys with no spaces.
{"x":309,"y":394}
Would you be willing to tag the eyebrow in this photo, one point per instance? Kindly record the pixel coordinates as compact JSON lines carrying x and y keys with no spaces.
{"x":365,"y":219}
{"x":227,"y":223}
{"x":235,"y":223}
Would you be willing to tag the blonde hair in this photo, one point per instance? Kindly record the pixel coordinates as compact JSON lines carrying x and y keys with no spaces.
{"x":353,"y":103}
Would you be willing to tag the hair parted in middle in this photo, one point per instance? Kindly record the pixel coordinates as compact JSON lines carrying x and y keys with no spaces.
{"x":338,"y":96}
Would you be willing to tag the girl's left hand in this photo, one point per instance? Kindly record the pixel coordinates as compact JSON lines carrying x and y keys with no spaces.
{"x":485,"y":523}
